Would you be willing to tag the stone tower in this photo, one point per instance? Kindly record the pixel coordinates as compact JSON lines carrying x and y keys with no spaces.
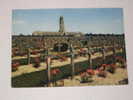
{"x":61,"y":25}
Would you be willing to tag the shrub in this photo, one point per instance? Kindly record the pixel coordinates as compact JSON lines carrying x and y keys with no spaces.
{"x":15,"y":66}
{"x":37,"y":63}
{"x":85,"y":77}
{"x":90,"y":72}
{"x":54,"y":74}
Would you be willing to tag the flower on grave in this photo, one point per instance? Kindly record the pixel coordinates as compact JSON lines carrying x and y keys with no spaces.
{"x":36,"y":62}
{"x":55,"y":71}
{"x":90,"y":71}
{"x":103,"y":66}
{"x":97,"y":71}
{"x":22,"y":54}
{"x":85,"y":77}
{"x":34,"y":52}
{"x":15,"y":66}
{"x":119,"y":58}
{"x":113,"y":65}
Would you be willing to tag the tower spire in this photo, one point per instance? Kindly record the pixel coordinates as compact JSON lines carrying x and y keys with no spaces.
{"x":61,"y":24}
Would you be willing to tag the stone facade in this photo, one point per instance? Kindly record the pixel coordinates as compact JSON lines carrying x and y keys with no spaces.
{"x":61,"y":32}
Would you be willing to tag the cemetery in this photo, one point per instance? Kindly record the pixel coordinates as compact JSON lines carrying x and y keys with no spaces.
{"x":56,"y":59}
{"x":97,"y":55}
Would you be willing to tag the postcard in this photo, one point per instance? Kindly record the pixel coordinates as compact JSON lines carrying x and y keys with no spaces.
{"x":68,"y":47}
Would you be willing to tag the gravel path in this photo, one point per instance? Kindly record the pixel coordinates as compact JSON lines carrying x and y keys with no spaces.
{"x":111,"y":79}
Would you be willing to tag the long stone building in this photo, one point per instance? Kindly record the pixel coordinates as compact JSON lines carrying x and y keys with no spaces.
{"x":61,"y":31}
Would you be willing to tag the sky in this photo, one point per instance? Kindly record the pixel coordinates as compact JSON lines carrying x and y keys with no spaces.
{"x":86,"y":20}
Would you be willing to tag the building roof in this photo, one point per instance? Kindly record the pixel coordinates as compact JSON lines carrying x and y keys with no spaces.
{"x":55,"y":33}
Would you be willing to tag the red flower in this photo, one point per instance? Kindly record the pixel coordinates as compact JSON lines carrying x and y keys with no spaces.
{"x":55,"y":71}
{"x":34,"y":52}
{"x":90,"y":72}
{"x":120,"y":58}
{"x":103,"y":67}
{"x":37,"y":60}
{"x":96,"y":71}
{"x":113,"y":66}
{"x":15,"y":65}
